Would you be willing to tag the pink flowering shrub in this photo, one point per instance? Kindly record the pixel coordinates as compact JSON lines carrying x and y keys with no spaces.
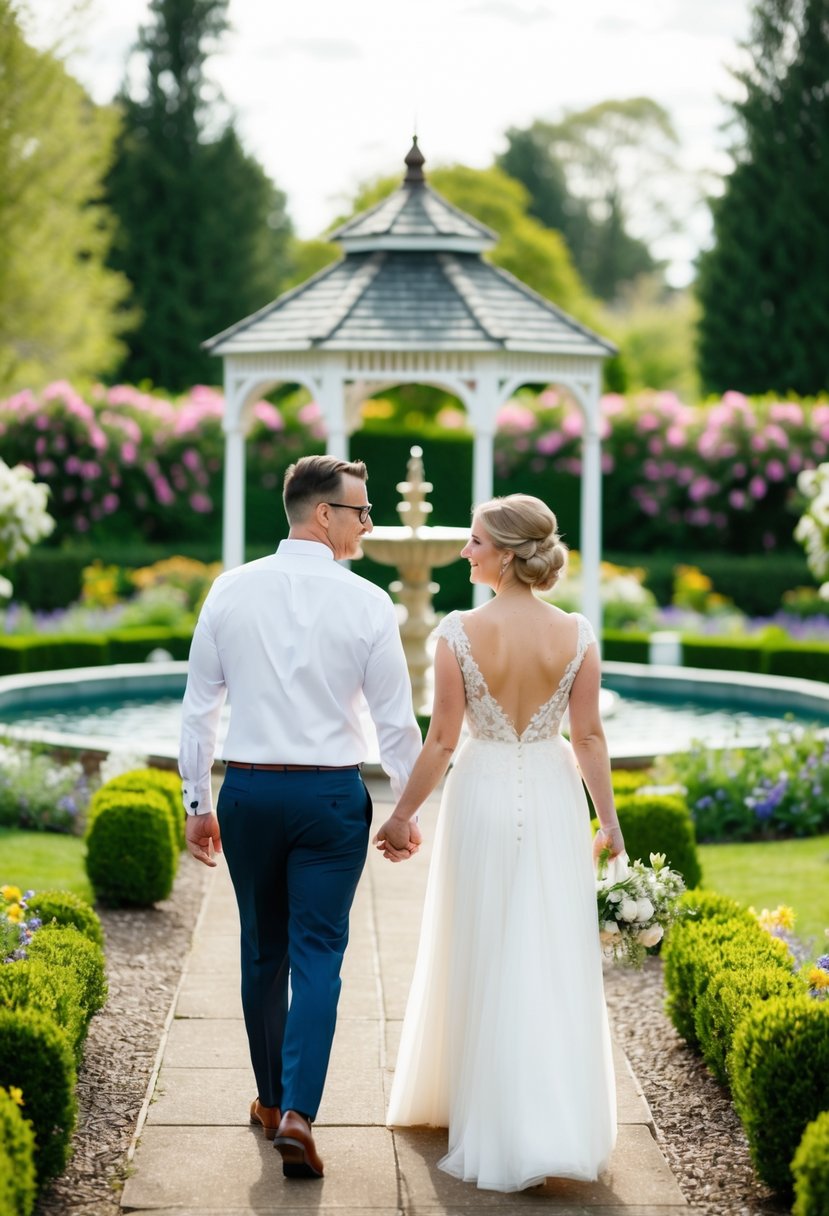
{"x":125,"y":463}
{"x":722,"y":474}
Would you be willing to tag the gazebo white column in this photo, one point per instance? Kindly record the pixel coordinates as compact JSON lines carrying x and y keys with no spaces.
{"x":233,"y":524}
{"x":591,"y":511}
{"x":483,"y":408}
{"x":332,"y":401}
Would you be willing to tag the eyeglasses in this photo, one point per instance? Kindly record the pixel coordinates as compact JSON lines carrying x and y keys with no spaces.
{"x":345,"y":506}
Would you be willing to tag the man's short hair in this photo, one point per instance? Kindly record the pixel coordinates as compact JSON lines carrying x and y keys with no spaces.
{"x":316,"y":479}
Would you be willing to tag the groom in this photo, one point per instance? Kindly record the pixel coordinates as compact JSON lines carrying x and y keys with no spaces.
{"x":299,"y":644}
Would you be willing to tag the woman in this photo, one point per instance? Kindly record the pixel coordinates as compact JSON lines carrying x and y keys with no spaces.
{"x":505,"y":1039}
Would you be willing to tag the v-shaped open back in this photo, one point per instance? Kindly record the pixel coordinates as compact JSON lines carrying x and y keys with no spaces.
{"x":486,"y":717}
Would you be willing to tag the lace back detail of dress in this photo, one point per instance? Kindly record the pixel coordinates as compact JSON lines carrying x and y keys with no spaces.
{"x":485,"y":716}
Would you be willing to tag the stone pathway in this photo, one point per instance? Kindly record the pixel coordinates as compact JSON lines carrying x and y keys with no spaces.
{"x":196,"y":1153}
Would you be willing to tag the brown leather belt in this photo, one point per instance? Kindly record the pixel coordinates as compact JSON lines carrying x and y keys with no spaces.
{"x":291,"y":768}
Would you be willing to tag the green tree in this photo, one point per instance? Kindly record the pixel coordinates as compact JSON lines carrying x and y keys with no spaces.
{"x":763,"y":285}
{"x":204,"y":237}
{"x":59,"y":303}
{"x":598,"y":176}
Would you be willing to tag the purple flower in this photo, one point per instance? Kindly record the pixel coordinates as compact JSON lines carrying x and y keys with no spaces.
{"x":823,"y":962}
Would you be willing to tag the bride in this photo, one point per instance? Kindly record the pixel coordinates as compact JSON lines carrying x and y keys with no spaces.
{"x":505,"y":1039}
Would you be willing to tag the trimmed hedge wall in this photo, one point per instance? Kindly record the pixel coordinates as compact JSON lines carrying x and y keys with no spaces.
{"x":23,"y":653}
{"x":734,"y":994}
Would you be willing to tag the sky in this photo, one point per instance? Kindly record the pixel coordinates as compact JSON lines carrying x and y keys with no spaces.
{"x":327,"y":94}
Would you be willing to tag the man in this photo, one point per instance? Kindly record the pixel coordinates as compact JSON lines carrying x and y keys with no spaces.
{"x":299,"y":645}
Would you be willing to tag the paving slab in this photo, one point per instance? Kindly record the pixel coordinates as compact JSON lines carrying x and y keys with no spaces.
{"x":637,"y":1174}
{"x":209,"y":996}
{"x":183,"y":1167}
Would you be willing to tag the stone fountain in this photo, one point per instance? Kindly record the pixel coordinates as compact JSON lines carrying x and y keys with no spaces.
{"x":415,"y":549}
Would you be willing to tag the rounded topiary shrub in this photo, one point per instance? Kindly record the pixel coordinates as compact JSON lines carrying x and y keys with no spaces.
{"x":810,"y":1170}
{"x":710,"y":905}
{"x":696,"y":950}
{"x":64,"y":947}
{"x":779,"y":1065}
{"x":131,"y":855}
{"x":728,"y":997}
{"x":660,"y":823}
{"x":36,"y":1058}
{"x":17,"y":1159}
{"x":160,"y":782}
{"x":32,"y":984}
{"x":66,"y":908}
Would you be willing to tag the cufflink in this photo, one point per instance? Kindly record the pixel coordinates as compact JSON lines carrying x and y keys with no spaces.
{"x":193,"y":806}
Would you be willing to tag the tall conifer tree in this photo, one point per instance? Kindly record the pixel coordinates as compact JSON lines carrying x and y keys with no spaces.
{"x":203,"y":233}
{"x":764,"y":285}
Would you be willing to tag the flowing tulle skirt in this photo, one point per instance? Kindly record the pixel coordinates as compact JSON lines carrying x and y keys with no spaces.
{"x":505,"y":1039}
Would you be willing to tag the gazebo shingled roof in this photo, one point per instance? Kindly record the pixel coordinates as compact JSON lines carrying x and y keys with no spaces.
{"x":412,"y":299}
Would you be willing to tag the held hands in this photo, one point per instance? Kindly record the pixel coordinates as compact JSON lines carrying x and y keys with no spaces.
{"x":398,"y":839}
{"x":200,"y":831}
{"x":608,"y":841}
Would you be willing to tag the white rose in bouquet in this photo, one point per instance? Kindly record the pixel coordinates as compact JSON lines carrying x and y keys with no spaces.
{"x":649,"y":937}
{"x":628,"y":910}
{"x":644,"y":910}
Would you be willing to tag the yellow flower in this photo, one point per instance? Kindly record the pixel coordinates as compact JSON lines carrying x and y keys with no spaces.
{"x":14,"y":912}
{"x":818,"y":978}
{"x":783,"y":917}
{"x":16,"y":1095}
{"x":11,"y":894}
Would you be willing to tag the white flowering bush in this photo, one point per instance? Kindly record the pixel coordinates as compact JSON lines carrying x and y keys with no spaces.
{"x":24,"y":519}
{"x":636,"y":905}
{"x":812,"y":529}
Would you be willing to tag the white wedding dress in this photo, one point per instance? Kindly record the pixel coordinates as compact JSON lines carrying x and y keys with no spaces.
{"x":505,"y":1039}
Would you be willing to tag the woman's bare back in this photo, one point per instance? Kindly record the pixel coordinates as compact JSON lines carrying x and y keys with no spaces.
{"x":522,"y":647}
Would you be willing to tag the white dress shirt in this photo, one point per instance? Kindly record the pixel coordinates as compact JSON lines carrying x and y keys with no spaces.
{"x":299,"y":645}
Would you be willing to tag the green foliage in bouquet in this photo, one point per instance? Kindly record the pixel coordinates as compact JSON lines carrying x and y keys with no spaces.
{"x":779,"y":1066}
{"x":66,"y":908}
{"x":36,"y":1058}
{"x":132,"y":852}
{"x":660,"y":821}
{"x":636,"y":904}
{"x":65,"y":948}
{"x":17,"y":1156}
{"x":810,"y":1169}
{"x":32,"y":984}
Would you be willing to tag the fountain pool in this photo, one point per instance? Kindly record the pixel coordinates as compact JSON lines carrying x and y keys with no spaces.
{"x":135,"y":707}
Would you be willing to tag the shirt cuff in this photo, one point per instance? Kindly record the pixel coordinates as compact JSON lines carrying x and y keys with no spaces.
{"x":193,"y":803}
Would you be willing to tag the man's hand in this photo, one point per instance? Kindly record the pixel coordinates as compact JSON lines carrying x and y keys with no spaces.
{"x":398,"y":839}
{"x":200,"y":831}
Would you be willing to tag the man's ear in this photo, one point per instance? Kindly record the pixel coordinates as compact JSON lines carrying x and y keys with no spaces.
{"x":322,"y":514}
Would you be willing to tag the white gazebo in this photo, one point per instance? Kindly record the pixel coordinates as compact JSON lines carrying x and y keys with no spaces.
{"x":413,"y":301}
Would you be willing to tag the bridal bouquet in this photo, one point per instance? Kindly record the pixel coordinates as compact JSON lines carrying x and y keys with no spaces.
{"x":636,"y":905}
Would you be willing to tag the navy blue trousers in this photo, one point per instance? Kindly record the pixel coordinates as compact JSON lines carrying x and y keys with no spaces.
{"x":295,"y":845}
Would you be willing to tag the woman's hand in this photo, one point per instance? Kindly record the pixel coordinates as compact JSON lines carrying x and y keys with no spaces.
{"x":610,"y":840}
{"x":398,"y":839}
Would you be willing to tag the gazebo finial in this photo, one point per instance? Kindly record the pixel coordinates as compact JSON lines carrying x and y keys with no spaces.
{"x":414,"y":163}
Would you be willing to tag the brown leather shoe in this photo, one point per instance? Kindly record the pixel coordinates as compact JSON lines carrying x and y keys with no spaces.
{"x":295,"y":1143}
{"x":266,"y":1116}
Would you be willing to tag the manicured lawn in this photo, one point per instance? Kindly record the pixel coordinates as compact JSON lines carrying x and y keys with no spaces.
{"x":43,"y":861}
{"x":794,"y":872}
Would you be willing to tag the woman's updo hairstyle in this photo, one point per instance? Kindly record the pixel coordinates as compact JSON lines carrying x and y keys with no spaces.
{"x":527,"y":528}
